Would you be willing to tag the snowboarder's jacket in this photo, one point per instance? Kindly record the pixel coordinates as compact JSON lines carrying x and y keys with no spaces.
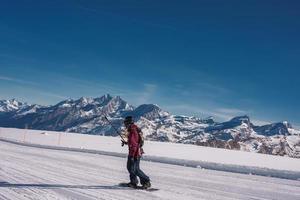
{"x":134,"y":141}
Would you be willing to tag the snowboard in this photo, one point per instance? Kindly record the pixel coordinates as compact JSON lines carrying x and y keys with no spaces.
{"x":138,"y":187}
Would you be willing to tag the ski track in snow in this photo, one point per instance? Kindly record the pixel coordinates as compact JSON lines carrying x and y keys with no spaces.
{"x":34,"y":173}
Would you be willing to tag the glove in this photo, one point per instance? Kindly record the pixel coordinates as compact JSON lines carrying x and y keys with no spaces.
{"x":142,"y":150}
{"x":123,"y":143}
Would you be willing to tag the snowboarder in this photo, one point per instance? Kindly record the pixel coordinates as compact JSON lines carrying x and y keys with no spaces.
{"x":135,"y":142}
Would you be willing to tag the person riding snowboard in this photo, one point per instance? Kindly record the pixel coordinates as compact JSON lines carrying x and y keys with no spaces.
{"x":135,"y":142}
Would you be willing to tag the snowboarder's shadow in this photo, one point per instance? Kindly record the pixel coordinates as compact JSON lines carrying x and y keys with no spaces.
{"x":55,"y":186}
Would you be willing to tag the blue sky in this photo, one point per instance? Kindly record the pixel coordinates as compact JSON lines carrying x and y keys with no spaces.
{"x":204,"y":58}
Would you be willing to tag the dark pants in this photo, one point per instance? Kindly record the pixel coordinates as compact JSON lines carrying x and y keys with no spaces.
{"x":133,"y":167}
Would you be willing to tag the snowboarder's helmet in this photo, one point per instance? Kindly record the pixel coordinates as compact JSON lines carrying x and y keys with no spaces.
{"x":128,"y":120}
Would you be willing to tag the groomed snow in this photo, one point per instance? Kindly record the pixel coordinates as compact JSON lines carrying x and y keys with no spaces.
{"x":183,"y":154}
{"x":28,"y":173}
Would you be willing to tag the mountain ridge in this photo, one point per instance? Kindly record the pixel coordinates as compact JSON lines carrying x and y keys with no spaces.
{"x":85,"y":115}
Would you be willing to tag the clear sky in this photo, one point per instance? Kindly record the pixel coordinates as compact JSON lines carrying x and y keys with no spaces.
{"x":203,"y":57}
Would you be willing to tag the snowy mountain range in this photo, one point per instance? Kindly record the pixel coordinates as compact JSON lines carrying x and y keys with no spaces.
{"x":86,"y":115}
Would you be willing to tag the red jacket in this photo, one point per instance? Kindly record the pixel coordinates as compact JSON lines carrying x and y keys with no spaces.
{"x":134,"y":141}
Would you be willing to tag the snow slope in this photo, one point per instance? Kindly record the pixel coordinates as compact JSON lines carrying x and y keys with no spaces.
{"x":182,"y":154}
{"x":29,"y":173}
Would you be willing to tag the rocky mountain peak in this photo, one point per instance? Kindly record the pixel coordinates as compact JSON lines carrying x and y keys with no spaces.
{"x":11,"y":105}
{"x":103,"y":100}
{"x":149,"y":111}
{"x":279,"y":128}
{"x":241,"y":119}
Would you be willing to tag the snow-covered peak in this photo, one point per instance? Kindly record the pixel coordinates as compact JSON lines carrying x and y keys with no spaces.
{"x":107,"y":96}
{"x":116,"y":105}
{"x":118,"y":102}
{"x":241,"y":119}
{"x":280,"y":128}
{"x":29,"y":109}
{"x":11,"y":105}
{"x":83,"y":101}
{"x":150,"y":112}
{"x":103,"y":100}
{"x":287,"y":124}
{"x":235,"y":122}
{"x":65,"y":104}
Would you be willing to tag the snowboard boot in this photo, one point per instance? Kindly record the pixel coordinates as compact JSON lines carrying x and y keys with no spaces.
{"x":146,"y":185}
